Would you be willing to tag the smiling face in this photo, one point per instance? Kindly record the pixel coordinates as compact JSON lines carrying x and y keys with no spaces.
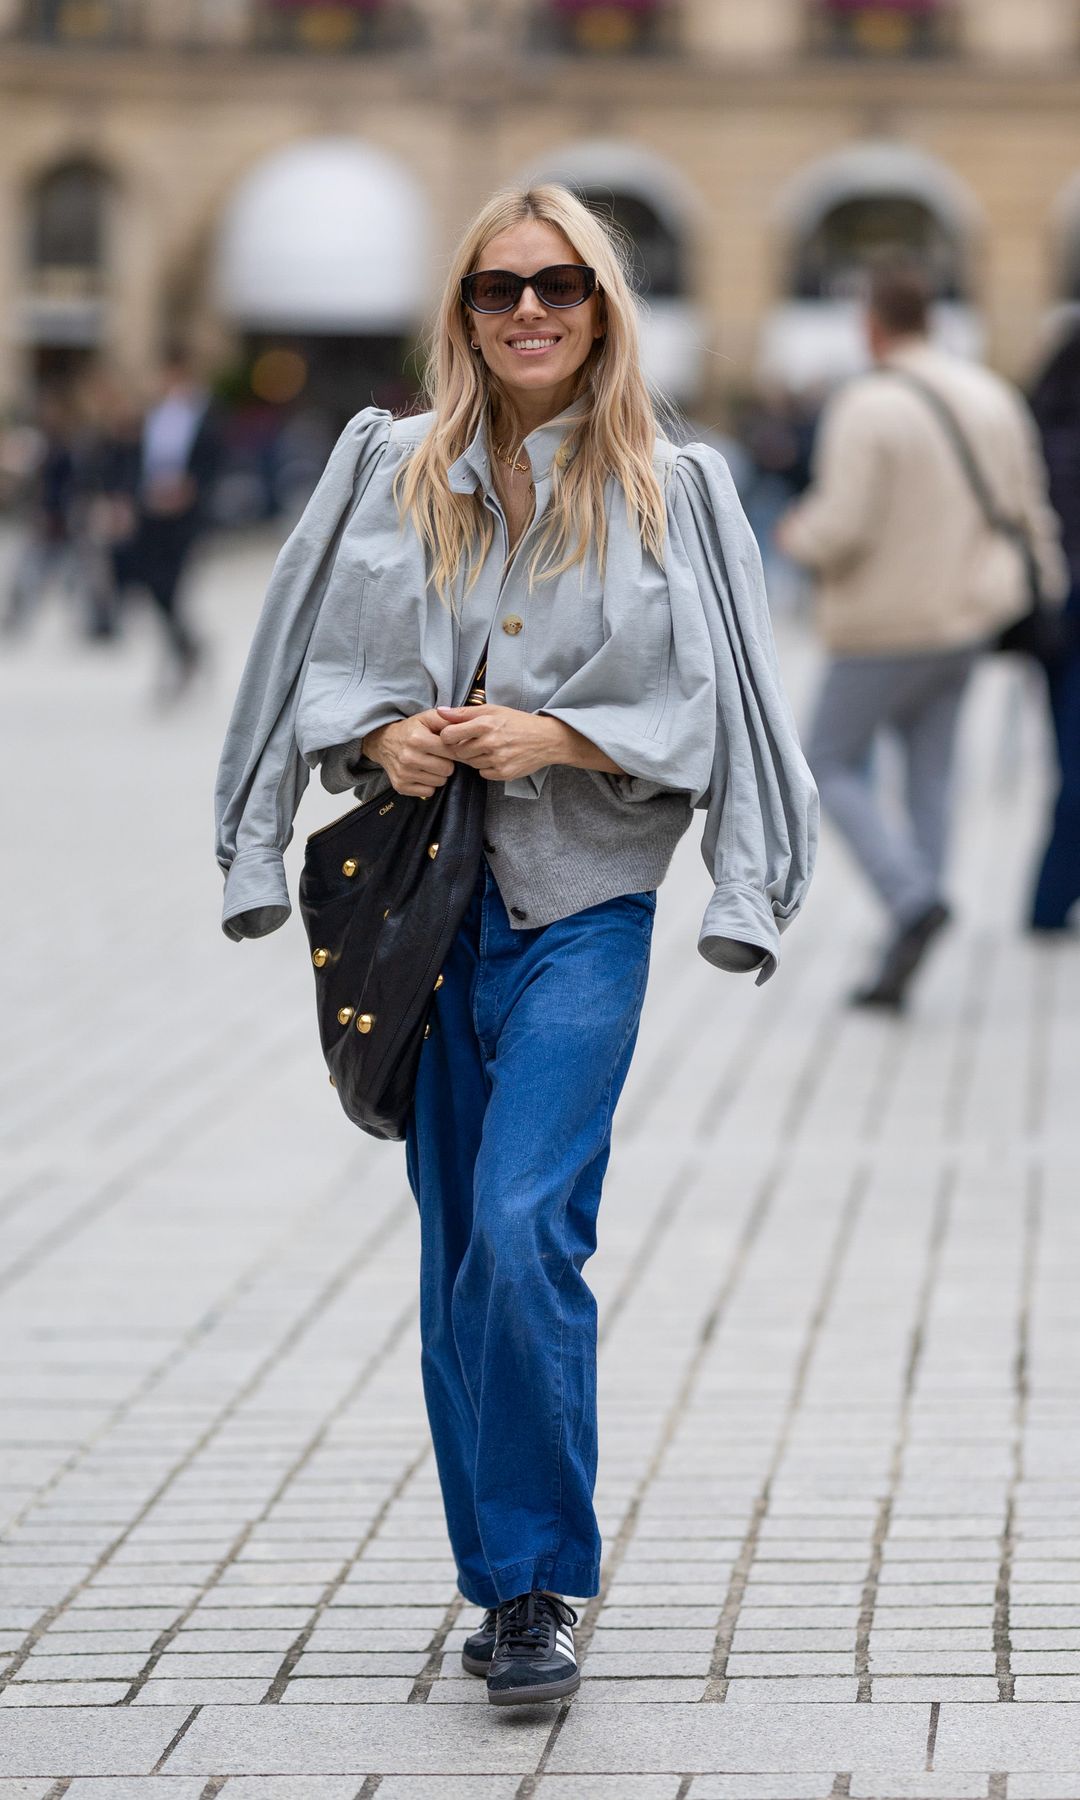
{"x":535,"y":351}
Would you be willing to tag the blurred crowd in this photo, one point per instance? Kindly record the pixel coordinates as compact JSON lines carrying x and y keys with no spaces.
{"x":114,"y":498}
{"x":112,"y":491}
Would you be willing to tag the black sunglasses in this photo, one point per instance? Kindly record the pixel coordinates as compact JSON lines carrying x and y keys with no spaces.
{"x":497,"y":290}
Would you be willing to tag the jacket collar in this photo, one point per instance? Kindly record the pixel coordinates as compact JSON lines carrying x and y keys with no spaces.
{"x":472,"y":469}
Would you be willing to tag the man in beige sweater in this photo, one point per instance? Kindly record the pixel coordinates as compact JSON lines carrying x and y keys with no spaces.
{"x":913,"y":583}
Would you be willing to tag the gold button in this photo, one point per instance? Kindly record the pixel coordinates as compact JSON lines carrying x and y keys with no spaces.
{"x":439,"y":983}
{"x":427,"y":1031}
{"x":333,"y":1083}
{"x":386,"y":914}
{"x":364,"y":1022}
{"x":320,"y":958}
{"x":512,"y":625}
{"x":433,"y":851}
{"x":349,"y":867}
{"x":345,"y":1013}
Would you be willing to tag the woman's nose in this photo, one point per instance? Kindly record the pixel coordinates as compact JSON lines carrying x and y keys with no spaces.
{"x":529,"y":306}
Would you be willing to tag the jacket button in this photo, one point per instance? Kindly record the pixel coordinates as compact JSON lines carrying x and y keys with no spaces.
{"x":517,"y":913}
{"x":512,"y":625}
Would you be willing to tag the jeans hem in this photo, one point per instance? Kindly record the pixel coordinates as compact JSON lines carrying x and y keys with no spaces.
{"x":510,"y":1579}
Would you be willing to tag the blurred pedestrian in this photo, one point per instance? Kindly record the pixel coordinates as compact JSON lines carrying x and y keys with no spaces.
{"x":1056,"y":405}
{"x":530,"y":582}
{"x":111,"y":478}
{"x":913,"y":584}
{"x":48,"y":549}
{"x":178,"y":464}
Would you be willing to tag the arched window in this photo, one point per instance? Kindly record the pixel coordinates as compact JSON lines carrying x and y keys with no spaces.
{"x":68,"y":221}
{"x":321,"y":269}
{"x":658,"y":258}
{"x":830,"y":260}
{"x":837,"y":217}
{"x":660,"y":213}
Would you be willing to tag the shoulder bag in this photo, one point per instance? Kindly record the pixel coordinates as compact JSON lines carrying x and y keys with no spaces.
{"x":1042,"y":631}
{"x":382,"y":894}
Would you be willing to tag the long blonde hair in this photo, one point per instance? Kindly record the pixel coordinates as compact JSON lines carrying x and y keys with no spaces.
{"x":615,"y":436}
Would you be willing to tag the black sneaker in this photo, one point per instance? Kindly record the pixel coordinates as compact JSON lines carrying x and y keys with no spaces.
{"x":902,"y":958}
{"x":476,"y":1650}
{"x":534,"y":1656}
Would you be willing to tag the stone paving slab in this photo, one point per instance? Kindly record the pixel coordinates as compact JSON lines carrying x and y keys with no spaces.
{"x":839,"y":1341}
{"x":792,"y":1739}
{"x":91,"y":1741}
{"x":1034,"y":1738}
{"x":346,"y":1739}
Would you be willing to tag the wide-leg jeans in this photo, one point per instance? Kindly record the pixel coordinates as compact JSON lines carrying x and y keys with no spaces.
{"x":507,"y":1145}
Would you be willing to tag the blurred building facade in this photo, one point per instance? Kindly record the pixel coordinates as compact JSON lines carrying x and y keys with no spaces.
{"x":280,"y":181}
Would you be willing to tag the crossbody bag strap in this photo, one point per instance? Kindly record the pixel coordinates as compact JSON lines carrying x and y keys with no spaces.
{"x":966,"y":457}
{"x":1013,"y":529}
{"x":477,"y":694}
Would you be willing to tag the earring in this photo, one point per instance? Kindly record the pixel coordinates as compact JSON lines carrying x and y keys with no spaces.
{"x":473,"y":345}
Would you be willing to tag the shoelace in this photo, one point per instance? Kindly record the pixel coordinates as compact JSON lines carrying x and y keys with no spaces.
{"x":523,"y":1621}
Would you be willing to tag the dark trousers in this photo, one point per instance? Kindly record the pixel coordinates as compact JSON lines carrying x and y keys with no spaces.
{"x":1058,"y":886}
{"x":156,"y":559}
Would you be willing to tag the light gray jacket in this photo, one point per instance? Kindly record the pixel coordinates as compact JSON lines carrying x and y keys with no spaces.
{"x":670,"y":670}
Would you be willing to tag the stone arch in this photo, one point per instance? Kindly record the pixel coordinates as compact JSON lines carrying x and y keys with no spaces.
{"x":662,"y":215}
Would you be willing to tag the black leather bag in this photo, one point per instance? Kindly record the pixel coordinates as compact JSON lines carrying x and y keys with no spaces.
{"x":1043,"y":631}
{"x":382,"y":894}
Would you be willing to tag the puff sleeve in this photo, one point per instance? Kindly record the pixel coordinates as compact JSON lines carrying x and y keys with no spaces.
{"x":761,"y":812}
{"x":262,"y":775}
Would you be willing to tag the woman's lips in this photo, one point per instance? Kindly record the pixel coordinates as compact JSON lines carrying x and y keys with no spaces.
{"x":532,"y":346}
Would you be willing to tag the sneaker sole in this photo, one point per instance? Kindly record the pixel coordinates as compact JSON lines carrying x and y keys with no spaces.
{"x":553,"y":1690}
{"x":475,"y":1665}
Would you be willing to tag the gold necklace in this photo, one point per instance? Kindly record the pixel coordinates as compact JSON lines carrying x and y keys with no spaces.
{"x":523,"y":468}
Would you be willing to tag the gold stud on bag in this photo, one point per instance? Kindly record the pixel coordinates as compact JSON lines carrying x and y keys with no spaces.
{"x":320,"y":958}
{"x":364,"y":1022}
{"x":345,"y":1013}
{"x":349,"y":866}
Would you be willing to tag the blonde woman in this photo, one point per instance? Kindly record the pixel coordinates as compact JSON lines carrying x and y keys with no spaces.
{"x":630,"y":678}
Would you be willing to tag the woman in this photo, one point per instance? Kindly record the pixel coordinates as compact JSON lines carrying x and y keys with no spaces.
{"x":1056,"y":405}
{"x":630,"y":677}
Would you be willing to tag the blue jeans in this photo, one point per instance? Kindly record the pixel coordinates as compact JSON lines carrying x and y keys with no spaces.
{"x":507,"y":1145}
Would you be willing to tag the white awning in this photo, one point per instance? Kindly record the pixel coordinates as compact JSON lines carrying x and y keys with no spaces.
{"x":807,"y":346}
{"x":326,"y":235}
{"x":673,"y":341}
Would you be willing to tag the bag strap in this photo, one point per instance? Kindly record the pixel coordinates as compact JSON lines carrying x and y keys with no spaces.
{"x":1013,"y":529}
{"x":477,"y":694}
{"x":966,"y":457}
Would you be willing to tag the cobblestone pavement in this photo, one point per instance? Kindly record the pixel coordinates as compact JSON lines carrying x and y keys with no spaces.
{"x":840,"y":1343}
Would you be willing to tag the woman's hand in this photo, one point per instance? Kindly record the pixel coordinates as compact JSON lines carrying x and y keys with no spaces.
{"x":500,"y":742}
{"x":503,"y":744}
{"x":412,"y":753}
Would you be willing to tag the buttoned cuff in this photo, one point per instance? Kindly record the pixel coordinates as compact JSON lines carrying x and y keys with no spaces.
{"x":736,"y":918}
{"x":256,"y":895}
